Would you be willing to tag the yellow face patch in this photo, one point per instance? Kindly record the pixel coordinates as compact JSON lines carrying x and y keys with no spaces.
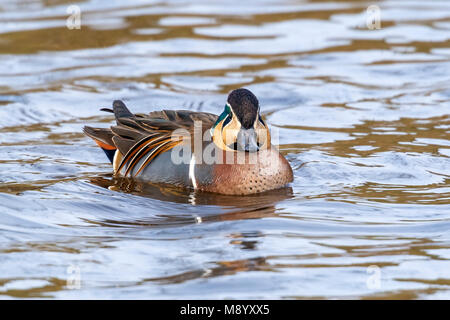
{"x":226,"y":130}
{"x":223,"y":137}
{"x":230,"y":131}
{"x":263,"y":134}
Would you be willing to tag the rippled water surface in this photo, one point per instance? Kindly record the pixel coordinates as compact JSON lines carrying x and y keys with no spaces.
{"x":362,"y":115}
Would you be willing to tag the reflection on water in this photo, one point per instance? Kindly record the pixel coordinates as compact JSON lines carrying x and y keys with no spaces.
{"x":256,"y":206}
{"x":362,"y":115}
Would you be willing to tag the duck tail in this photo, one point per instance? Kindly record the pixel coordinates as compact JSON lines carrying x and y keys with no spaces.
{"x":103,"y":137}
{"x":120,"y":110}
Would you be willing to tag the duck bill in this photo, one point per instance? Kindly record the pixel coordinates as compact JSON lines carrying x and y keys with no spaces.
{"x":247,"y":140}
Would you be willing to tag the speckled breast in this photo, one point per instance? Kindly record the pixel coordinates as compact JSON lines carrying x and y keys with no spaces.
{"x":249,"y":173}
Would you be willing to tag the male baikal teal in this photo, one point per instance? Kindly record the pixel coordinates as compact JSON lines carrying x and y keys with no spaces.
{"x":144,"y":147}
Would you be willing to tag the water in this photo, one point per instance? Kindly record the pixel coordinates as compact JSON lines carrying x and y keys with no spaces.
{"x":363,"y":117}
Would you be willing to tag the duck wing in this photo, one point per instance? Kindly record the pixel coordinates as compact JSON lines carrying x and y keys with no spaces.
{"x":138,"y":136}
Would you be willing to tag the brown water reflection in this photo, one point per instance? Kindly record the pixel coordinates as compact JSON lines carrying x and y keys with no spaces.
{"x":362,"y":116}
{"x":250,"y":207}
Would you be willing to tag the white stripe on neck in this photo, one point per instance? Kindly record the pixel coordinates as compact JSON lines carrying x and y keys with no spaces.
{"x":191,"y":171}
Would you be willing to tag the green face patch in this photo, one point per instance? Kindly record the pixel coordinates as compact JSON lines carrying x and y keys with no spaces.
{"x":223,"y":115}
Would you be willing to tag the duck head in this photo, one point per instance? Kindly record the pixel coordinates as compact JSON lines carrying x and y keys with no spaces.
{"x":240,"y":126}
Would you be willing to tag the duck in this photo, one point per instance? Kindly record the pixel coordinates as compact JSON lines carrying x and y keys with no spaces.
{"x":231,"y":153}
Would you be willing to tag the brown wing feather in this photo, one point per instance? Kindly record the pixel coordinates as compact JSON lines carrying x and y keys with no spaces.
{"x":99,"y":134}
{"x":123,"y":144}
{"x":146,"y":135}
